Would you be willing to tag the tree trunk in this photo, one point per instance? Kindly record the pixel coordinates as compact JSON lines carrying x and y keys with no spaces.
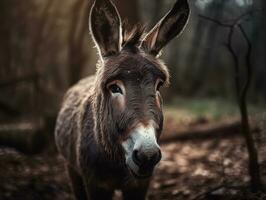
{"x":77,"y":30}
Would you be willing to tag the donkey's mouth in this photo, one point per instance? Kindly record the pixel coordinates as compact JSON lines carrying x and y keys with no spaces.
{"x":138,"y":175}
{"x":136,"y":172}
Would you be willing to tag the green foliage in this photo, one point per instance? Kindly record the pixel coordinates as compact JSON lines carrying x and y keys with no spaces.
{"x":209,"y":108}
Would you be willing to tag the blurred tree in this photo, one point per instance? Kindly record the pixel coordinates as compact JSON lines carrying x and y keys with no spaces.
{"x":242,"y":86}
{"x":128,"y":10}
{"x":44,"y":49}
{"x":209,"y":36}
{"x":5,"y":51}
{"x":77,"y":31}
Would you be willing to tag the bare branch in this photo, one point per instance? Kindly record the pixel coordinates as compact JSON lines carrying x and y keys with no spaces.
{"x":235,"y":59}
{"x":254,"y":168}
{"x":248,"y":62}
{"x":216,"y":21}
{"x":242,"y":17}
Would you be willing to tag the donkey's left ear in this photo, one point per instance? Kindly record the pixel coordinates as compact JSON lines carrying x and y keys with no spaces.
{"x":167,"y":28}
{"x":105,"y":27}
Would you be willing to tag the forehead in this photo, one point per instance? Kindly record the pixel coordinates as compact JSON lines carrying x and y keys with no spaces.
{"x":134,"y":65}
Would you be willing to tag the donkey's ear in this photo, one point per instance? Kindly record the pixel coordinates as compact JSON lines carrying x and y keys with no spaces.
{"x":170,"y":26}
{"x":105,"y":27}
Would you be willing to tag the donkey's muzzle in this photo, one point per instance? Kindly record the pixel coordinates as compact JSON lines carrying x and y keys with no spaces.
{"x":144,"y":161}
{"x":142,"y":165}
{"x":142,"y":150}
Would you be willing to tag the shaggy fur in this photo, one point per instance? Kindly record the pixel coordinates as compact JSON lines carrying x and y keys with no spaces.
{"x":89,"y":132}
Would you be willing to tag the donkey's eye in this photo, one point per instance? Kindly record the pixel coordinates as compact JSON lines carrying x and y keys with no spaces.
{"x":114,"y":88}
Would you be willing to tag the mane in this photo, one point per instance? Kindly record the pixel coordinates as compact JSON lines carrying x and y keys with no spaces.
{"x":132,"y":37}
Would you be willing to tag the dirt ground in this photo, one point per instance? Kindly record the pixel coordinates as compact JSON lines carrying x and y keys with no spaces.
{"x":188,"y":170}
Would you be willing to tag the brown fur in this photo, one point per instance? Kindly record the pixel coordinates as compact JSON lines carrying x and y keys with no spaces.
{"x":89,"y":131}
{"x":84,"y":135}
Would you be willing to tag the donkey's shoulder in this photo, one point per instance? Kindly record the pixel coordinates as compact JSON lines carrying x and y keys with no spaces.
{"x":78,"y":93}
{"x":77,"y":96}
{"x":67,"y":127}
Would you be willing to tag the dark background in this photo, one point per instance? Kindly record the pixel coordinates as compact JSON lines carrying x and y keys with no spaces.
{"x":45,"y":48}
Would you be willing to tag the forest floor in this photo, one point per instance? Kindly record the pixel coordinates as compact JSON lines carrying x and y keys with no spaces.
{"x":213,"y":168}
{"x":188,"y":170}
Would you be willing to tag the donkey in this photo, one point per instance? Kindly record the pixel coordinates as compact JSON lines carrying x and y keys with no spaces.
{"x":109,"y":124}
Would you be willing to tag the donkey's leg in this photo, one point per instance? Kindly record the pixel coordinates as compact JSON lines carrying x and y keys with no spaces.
{"x":138,"y":193}
{"x":77,"y":184}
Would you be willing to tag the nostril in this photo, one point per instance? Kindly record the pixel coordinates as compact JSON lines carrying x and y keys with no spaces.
{"x":156,"y":157}
{"x":143,"y":160}
{"x":136,"y":157}
{"x":159,"y":156}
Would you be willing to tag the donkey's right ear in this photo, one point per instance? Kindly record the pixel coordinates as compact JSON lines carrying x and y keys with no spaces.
{"x":105,"y":27}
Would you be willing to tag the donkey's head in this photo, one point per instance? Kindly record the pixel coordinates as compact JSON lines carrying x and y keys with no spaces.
{"x":128,"y":105}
